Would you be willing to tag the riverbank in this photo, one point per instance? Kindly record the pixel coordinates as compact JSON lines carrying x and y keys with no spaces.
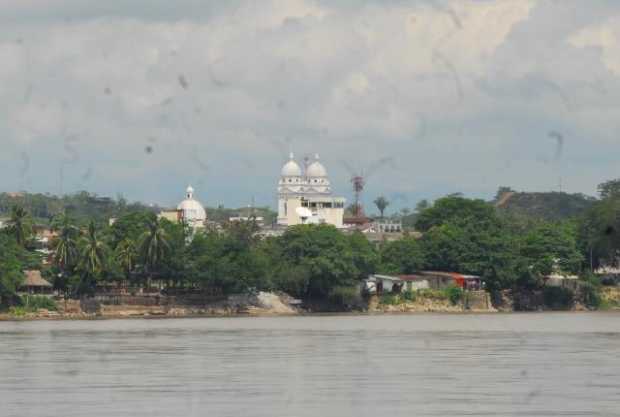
{"x":265,"y":304}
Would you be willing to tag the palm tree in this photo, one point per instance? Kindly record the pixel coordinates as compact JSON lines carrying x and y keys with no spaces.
{"x":93,"y":251}
{"x":65,"y":245}
{"x":153,"y":245}
{"x":126,"y":255}
{"x":381,"y":203}
{"x":20,"y":225}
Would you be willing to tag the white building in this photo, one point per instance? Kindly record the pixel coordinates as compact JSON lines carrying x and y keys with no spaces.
{"x":306,"y":196}
{"x":189,"y":211}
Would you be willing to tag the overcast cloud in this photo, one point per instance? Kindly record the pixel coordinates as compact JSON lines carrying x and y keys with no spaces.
{"x":144,"y":97}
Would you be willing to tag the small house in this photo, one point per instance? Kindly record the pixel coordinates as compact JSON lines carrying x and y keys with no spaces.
{"x":35,"y":284}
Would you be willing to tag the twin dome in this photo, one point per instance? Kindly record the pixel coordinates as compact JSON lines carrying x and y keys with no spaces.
{"x":315,"y":169}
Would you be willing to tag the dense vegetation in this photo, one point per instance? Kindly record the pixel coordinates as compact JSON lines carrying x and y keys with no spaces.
{"x":84,"y":207}
{"x":510,"y":251}
{"x":551,"y":206}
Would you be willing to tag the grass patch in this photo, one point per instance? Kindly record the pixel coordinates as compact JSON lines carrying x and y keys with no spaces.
{"x":389,"y":299}
{"x":32,"y":303}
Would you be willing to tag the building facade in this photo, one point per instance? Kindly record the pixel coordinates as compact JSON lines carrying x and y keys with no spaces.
{"x":305,"y":195}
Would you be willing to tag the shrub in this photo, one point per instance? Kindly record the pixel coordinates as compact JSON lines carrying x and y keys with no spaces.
{"x":454,"y":294}
{"x":17,"y":311}
{"x":36,"y":302}
{"x":409,"y":295}
{"x":389,"y":299}
{"x":590,"y":291}
{"x":437,"y":295}
{"x":346,"y":297}
{"x":558,"y":298}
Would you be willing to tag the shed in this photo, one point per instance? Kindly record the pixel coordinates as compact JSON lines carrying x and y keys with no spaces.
{"x":35,"y":284}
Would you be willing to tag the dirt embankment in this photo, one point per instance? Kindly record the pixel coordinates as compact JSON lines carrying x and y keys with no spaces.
{"x":260,"y":304}
{"x":474,"y":301}
{"x":610,"y":297}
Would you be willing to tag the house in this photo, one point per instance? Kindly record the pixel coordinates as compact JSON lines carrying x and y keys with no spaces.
{"x":378,"y":284}
{"x":35,"y":284}
{"x":440,"y":279}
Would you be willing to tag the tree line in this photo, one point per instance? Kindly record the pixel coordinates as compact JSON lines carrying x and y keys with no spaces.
{"x":508,"y":250}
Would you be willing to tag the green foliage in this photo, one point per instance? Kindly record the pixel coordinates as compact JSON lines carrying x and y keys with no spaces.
{"x":389,"y":299}
{"x":558,"y":298}
{"x":32,"y":303}
{"x":326,"y":254}
{"x":454,"y":294}
{"x":382,"y":203}
{"x":82,"y":206}
{"x":409,"y":295}
{"x":552,"y":247}
{"x":17,"y":311}
{"x":448,"y":209}
{"x":590,"y":291}
{"x":11,"y":275}
{"x":20,"y":225}
{"x":345,"y":297}
{"x":609,"y":189}
{"x":403,"y":256}
{"x":550,"y":206}
{"x":153,"y":244}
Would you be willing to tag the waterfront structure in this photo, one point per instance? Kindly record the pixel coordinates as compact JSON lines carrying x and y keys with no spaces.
{"x":35,"y":284}
{"x":305,"y":196}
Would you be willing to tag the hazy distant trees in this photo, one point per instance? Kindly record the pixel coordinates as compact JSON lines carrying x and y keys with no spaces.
{"x":20,"y":225}
{"x":382,"y":203}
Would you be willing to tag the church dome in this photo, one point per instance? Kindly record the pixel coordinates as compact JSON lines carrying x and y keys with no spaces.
{"x":291,"y":168}
{"x":316,"y":169}
{"x":192,"y":210}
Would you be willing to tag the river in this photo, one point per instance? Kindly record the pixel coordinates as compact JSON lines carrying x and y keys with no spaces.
{"x":549,"y":364}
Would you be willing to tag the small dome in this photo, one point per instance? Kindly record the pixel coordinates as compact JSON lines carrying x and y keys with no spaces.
{"x":291,"y":168}
{"x":316,"y":169}
{"x":192,"y":210}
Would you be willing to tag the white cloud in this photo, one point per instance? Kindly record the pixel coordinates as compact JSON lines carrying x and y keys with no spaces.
{"x":454,"y":85}
{"x":605,"y":36}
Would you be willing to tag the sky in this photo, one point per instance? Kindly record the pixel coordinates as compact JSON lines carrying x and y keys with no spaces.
{"x":141,"y":98}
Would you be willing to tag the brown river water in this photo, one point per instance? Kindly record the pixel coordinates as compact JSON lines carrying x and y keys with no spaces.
{"x":548,"y":364}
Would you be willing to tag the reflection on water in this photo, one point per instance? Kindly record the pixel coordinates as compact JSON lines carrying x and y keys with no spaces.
{"x":422,"y":365}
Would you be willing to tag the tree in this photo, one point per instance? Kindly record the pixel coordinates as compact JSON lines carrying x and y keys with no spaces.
{"x":92,"y":258}
{"x":322,"y":251}
{"x":382,"y":203}
{"x":403,"y":256}
{"x":20,"y":225}
{"x":11,"y":274}
{"x":455,"y":207}
{"x":153,"y":245}
{"x":65,"y":245}
{"x":552,"y":247}
{"x":500,"y":193}
{"x":421,"y":206}
{"x":125,"y":255}
{"x":609,"y":189}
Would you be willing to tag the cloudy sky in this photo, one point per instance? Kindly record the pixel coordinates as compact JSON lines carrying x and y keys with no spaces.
{"x":142,"y":97}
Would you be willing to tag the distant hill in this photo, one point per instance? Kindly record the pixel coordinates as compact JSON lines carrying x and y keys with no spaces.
{"x":548,"y":206}
{"x":84,"y":206}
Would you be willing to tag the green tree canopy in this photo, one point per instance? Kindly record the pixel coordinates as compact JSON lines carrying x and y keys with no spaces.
{"x":455,"y":207}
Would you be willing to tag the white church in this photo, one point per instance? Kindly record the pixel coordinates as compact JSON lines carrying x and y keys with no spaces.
{"x":305,"y":196}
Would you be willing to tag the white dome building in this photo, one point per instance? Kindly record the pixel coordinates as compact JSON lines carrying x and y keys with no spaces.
{"x":191,"y":211}
{"x":318,"y":181}
{"x":311,"y":189}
